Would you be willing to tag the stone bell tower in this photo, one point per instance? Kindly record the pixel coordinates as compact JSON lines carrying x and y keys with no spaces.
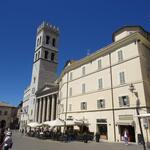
{"x":45,"y":56}
{"x":44,"y":67}
{"x":45,"y":62}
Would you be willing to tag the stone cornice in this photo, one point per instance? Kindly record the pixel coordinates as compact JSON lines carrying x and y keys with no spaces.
{"x":106,"y":50}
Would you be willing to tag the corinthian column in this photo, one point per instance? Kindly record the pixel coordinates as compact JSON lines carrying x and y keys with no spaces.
{"x":36,"y":110}
{"x":43,"y":112}
{"x":48,"y":109}
{"x":53,"y":107}
{"x":40,"y":109}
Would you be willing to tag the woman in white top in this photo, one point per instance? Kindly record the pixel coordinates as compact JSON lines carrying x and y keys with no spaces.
{"x":7,"y":144}
{"x":126,"y":136}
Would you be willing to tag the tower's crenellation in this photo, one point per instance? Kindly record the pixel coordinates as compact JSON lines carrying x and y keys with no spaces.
{"x":46,"y":25}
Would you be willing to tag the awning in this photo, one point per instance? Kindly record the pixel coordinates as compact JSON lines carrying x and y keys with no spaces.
{"x":48,"y":123}
{"x":33,"y":124}
{"x":57,"y":122}
{"x":126,"y":122}
{"x":143,"y":115}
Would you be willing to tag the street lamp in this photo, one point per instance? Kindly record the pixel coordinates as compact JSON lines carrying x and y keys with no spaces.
{"x":132,"y":90}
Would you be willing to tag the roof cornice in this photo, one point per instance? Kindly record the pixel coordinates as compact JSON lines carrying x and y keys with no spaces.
{"x":106,"y":50}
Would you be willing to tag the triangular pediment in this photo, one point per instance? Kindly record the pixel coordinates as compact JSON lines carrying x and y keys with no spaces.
{"x":45,"y":88}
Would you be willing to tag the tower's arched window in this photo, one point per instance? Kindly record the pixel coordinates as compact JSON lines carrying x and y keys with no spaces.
{"x":46,"y":55}
{"x":52,"y":56}
{"x":37,"y":42}
{"x":54,"y":42}
{"x":34,"y":80}
{"x":40,"y":40}
{"x":38,"y":54}
{"x":35,"y":56}
{"x":47,"y":39}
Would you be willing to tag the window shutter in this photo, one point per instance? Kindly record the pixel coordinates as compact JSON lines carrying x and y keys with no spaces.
{"x":122,"y":77}
{"x":70,"y":92}
{"x":99,"y":64}
{"x":83,"y":88}
{"x":103,"y":103}
{"x":120,"y":56}
{"x":120,"y":101}
{"x":85,"y":106}
{"x":98,"y":103}
{"x":128,"y":102}
{"x":83,"y":71}
{"x":100,"y":82}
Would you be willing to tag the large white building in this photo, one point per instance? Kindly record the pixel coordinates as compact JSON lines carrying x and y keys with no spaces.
{"x":96,"y":88}
{"x":44,"y":70}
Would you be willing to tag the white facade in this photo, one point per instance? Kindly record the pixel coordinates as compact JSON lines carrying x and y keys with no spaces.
{"x":44,"y":68}
{"x":96,"y":88}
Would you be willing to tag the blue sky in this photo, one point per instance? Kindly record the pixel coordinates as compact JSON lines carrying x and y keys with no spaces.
{"x":85,"y":25}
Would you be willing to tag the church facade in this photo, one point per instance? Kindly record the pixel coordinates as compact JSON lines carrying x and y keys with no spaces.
{"x":44,"y":71}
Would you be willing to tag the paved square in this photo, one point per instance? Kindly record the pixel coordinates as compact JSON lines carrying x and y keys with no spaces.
{"x":29,"y":143}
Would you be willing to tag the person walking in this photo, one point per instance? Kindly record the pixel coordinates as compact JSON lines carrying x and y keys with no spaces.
{"x":97,"y":136}
{"x":126,"y":136}
{"x":7,"y":144}
{"x":85,"y":137}
{"x":2,"y":136}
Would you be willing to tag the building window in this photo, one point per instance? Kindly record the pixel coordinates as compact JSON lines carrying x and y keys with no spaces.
{"x":37,"y":42}
{"x":70,"y":107}
{"x":6,"y":113}
{"x":100,"y":64}
{"x":47,"y":39}
{"x":38,"y":54}
{"x":46,"y":55}
{"x":35,"y":56}
{"x":124,"y":101}
{"x":100,"y":83}
{"x":70,"y":76}
{"x":122,"y":77}
{"x":34,"y":80}
{"x":40,"y":40}
{"x":52,"y":56}
{"x":0,"y":112}
{"x":120,"y":56}
{"x":70,"y":92}
{"x":101,"y":103}
{"x":83,"y":105}
{"x":83,"y":71}
{"x":54,"y":42}
{"x":83,"y":88}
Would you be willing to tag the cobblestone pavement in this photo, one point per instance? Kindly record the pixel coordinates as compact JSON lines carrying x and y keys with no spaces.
{"x":29,"y":143}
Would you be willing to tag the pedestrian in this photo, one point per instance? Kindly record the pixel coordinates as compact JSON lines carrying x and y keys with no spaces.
{"x":22,"y":131}
{"x":97,"y":136}
{"x":2,"y":136}
{"x":85,"y":137}
{"x":7,"y":144}
{"x":126,"y":136}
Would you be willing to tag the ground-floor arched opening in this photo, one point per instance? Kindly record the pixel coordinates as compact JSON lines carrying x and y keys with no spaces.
{"x":2,"y":124}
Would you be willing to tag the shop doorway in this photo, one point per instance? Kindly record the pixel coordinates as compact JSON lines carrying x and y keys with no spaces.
{"x":102,"y":128}
{"x":131,"y":131}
